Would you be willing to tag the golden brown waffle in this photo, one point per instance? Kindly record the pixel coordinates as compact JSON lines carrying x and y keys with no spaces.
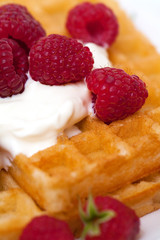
{"x":16,"y":208}
{"x":143,"y":196}
{"x":96,"y":161}
{"x":101,"y":159}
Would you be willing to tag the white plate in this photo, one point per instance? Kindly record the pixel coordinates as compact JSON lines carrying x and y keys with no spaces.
{"x":150,"y":226}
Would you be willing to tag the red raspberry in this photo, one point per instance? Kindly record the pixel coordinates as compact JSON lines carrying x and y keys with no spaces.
{"x":17,"y":23}
{"x":118,"y":94}
{"x":93,"y":23}
{"x":46,"y":228}
{"x":124,"y":225}
{"x":13,"y":67}
{"x":56,"y":60}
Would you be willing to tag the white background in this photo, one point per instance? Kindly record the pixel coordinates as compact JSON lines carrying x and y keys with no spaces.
{"x":146,"y":16}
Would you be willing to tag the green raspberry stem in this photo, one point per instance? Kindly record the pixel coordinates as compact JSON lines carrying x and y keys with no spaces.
{"x":92,"y":218}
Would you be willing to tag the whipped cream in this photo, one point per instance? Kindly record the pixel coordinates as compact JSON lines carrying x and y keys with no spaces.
{"x":100,"y":56}
{"x":32,"y":121}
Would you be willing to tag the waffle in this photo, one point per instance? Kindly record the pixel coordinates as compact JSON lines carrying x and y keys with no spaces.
{"x":16,"y":208}
{"x":143,"y":196}
{"x":119,"y":159}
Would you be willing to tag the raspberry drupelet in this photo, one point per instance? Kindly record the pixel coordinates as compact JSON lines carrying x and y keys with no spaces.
{"x":116,"y":94}
{"x":17,"y":23}
{"x":13,"y":67}
{"x":18,"y":32}
{"x":93,"y":23}
{"x":56,"y":60}
{"x":106,"y":218}
{"x":46,"y":228}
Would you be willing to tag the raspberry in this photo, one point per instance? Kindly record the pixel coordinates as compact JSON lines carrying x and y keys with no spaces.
{"x":46,"y":228}
{"x":93,"y":23}
{"x":123,"y":225}
{"x":13,"y":68}
{"x":56,"y":60}
{"x":117,"y":94}
{"x":17,"y":23}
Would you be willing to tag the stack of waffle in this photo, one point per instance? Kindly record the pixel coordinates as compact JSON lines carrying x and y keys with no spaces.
{"x":121,"y":159}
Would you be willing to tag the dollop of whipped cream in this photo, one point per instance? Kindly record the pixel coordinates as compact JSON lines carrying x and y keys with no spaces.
{"x":32,"y":121}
